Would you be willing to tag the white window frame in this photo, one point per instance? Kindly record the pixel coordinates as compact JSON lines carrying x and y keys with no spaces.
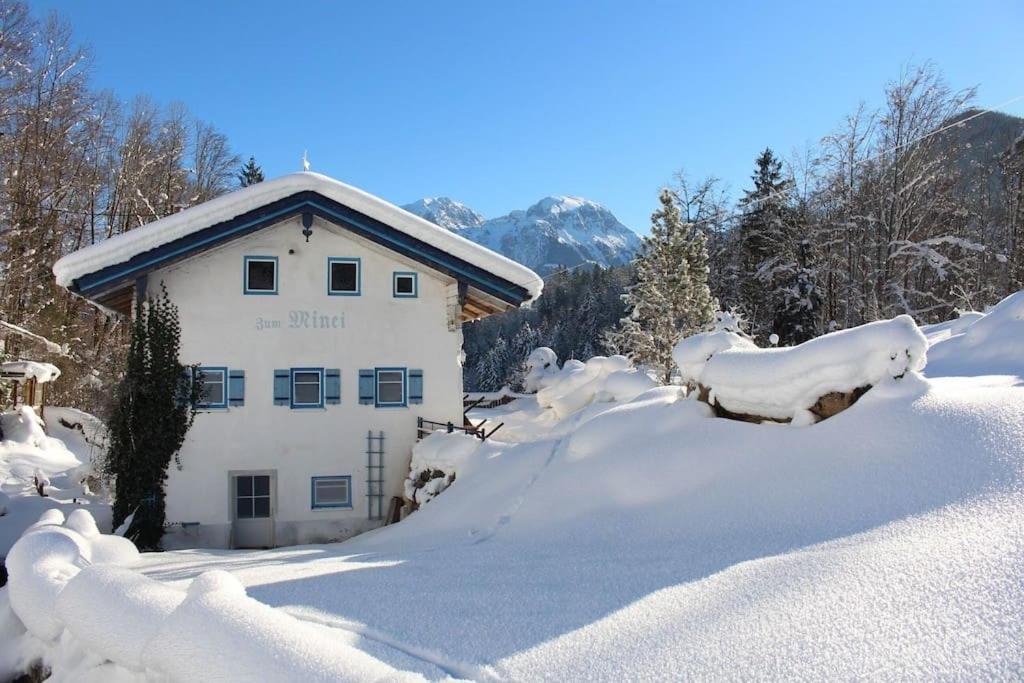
{"x":315,"y":504}
{"x":209,"y":370}
{"x":358,"y":263}
{"x":245,"y":275}
{"x":404,"y":373}
{"x":319,"y":372}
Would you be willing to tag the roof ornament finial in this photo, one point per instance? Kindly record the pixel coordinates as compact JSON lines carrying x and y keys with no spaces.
{"x":305,"y":160}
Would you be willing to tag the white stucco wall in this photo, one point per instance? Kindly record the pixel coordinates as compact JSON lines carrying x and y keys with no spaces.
{"x":223,"y":327}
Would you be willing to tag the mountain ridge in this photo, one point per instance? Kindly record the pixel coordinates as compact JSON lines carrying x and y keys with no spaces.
{"x":556,"y":231}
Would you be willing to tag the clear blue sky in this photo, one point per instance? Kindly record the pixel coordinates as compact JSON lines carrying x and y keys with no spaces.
{"x":498,"y":104}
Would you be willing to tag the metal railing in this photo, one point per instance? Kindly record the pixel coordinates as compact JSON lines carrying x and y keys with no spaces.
{"x":426,"y":427}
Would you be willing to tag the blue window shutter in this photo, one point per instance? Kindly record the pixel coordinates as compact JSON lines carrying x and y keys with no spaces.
{"x":415,"y":386}
{"x":332,"y":386}
{"x":236,"y":387}
{"x":366,"y":389}
{"x":282,"y":387}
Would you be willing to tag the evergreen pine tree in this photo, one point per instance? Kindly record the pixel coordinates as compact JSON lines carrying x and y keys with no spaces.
{"x":154,"y":408}
{"x":523,"y":344}
{"x":494,"y":368}
{"x":797,"y":312}
{"x":669,"y":297}
{"x":764,"y":244}
{"x":250,"y":174}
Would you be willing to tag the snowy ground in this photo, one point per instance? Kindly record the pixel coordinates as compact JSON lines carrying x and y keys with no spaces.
{"x":887,"y":542}
{"x":644,"y":539}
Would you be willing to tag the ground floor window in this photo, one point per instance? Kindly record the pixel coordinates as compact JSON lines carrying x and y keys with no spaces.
{"x":332,"y":492}
{"x":252,"y":496}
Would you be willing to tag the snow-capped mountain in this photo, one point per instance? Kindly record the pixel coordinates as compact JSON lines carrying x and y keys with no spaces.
{"x":556,"y":231}
{"x":446,"y":212}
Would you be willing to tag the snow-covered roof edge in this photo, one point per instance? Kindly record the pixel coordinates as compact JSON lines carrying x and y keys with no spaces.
{"x":125,"y":246}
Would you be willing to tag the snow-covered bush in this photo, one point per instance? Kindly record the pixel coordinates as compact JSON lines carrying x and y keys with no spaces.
{"x":600,"y":379}
{"x":76,"y":603}
{"x":22,"y":425}
{"x":784,"y":384}
{"x":541,"y":368}
{"x":730,"y":321}
{"x":436,"y":460}
{"x":43,"y":470}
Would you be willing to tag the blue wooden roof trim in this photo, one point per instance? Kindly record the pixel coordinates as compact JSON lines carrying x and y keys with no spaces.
{"x":122,"y":274}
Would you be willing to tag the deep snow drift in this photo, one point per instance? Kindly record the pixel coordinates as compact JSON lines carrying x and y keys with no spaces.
{"x":656,"y":542}
{"x":989,"y":343}
{"x":627,"y":534}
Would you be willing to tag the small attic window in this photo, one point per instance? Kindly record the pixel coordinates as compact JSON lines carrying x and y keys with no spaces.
{"x":343,"y":276}
{"x":261,"y":275}
{"x":405,"y":285}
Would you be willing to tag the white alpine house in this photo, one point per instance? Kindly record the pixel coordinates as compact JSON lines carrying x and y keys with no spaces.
{"x":325,"y":321}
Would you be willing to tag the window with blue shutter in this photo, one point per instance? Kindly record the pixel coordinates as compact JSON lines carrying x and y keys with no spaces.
{"x":366,"y":393}
{"x":236,"y":387}
{"x":307,"y":388}
{"x":213,"y":391}
{"x":282,"y":387}
{"x":391,"y":388}
{"x":415,"y":386}
{"x":332,"y":386}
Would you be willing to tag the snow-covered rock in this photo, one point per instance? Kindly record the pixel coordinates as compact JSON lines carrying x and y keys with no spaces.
{"x":436,"y":461}
{"x":784,"y":383}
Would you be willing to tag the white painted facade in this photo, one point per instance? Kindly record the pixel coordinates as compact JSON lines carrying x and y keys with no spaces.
{"x":302,"y":326}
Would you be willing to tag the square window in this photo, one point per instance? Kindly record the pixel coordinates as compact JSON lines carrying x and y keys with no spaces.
{"x":261,"y":275}
{"x":332,"y":492}
{"x":390,"y":387}
{"x":307,"y":388}
{"x":343,"y":276}
{"x":405,"y":285}
{"x":213,"y":392}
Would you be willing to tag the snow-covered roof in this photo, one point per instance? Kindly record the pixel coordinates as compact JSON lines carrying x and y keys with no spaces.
{"x":29,"y":369}
{"x":122,"y":248}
